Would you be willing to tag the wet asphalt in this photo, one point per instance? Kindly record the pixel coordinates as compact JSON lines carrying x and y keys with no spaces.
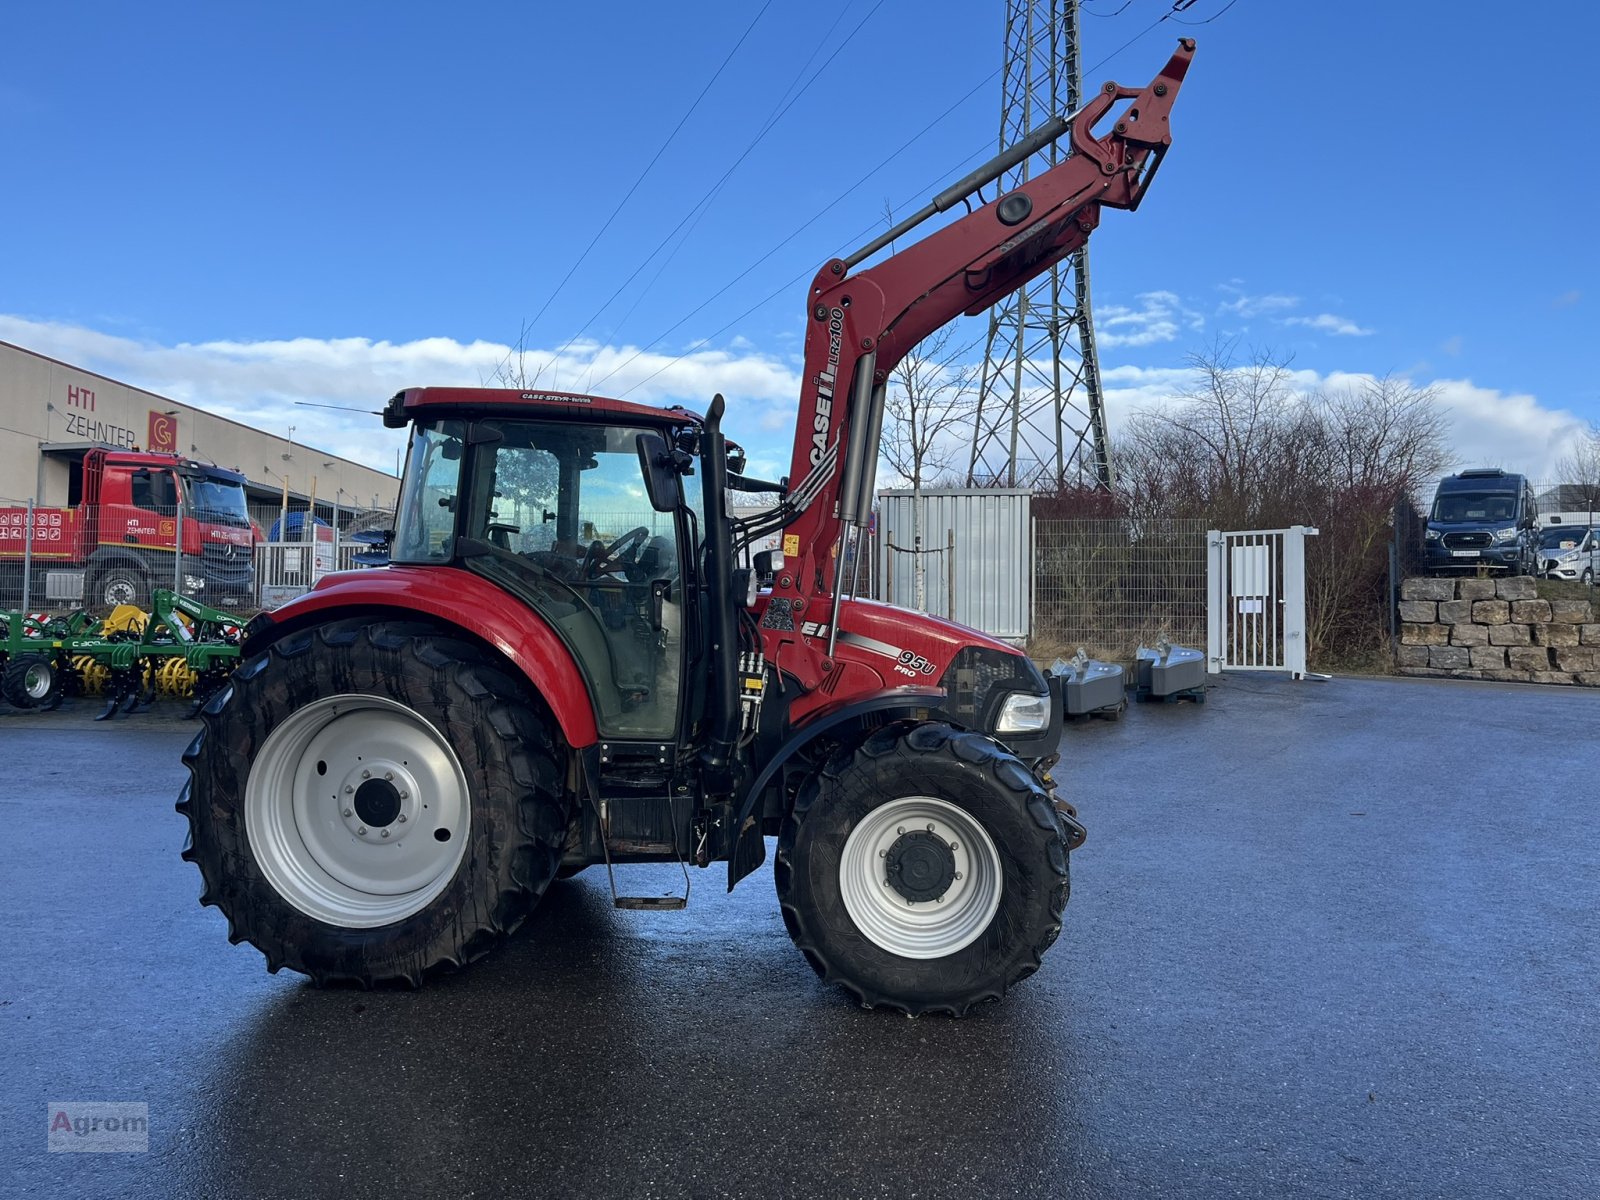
{"x":1326,"y":939}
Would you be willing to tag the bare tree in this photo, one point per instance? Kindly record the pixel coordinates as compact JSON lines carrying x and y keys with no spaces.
{"x":1579,"y":472}
{"x":1246,"y":448}
{"x":929,"y":401}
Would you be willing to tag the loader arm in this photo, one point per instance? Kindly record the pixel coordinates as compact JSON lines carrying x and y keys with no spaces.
{"x":861,"y":325}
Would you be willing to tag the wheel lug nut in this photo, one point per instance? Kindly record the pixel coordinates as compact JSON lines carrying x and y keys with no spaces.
{"x":958,"y":874}
{"x":347,"y":812}
{"x":883,"y":854}
{"x":900,"y":829}
{"x":362,"y":831}
{"x":402,"y":818}
{"x":405,"y":795}
{"x":366,"y":774}
{"x":385,"y":833}
{"x":953,"y":846}
{"x":930,"y":826}
{"x":348,"y":790}
{"x":389,"y":775}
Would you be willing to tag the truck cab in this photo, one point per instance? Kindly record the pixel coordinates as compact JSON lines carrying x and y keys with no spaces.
{"x":1483,"y":518}
{"x":113,"y":542}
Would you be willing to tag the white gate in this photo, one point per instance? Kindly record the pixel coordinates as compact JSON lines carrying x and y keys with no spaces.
{"x":1256,"y":601}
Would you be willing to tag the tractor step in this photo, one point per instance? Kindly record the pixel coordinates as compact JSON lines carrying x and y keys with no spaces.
{"x":651,"y":903}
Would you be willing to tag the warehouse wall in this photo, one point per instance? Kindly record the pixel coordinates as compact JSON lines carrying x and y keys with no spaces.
{"x":42,"y":400}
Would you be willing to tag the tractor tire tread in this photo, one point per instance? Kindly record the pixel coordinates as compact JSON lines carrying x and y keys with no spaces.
{"x":506,"y":724}
{"x":909,"y":741}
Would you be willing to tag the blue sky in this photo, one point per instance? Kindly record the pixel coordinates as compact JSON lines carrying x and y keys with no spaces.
{"x":246,"y":205}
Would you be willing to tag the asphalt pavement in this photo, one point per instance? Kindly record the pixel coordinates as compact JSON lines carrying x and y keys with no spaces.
{"x":1326,"y":939}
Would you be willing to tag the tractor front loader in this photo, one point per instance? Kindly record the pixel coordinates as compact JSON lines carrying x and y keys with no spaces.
{"x":573,"y":659}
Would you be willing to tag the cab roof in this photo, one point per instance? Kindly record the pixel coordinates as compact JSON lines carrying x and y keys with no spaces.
{"x":412,"y":403}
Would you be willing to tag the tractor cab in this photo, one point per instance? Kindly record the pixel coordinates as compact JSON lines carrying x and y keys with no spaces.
{"x":556,"y":509}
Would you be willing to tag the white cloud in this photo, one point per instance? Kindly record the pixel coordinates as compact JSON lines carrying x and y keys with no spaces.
{"x":1159,"y":317}
{"x":259,"y":382}
{"x":1245,"y":305}
{"x":1511,"y":430}
{"x":1328,"y":323}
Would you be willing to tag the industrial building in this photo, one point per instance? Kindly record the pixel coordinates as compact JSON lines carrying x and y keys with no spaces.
{"x":52,"y":412}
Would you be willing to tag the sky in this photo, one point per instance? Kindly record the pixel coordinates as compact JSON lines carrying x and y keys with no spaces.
{"x":258,"y":208}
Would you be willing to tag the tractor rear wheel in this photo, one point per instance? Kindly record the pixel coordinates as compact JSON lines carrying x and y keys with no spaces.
{"x":370,"y":802}
{"x":31,"y":681}
{"x":925,"y":870}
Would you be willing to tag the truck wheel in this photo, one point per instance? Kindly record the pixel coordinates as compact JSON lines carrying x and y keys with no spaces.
{"x":371,"y":802}
{"x":120,"y":584}
{"x":924,"y":871}
{"x":31,"y":681}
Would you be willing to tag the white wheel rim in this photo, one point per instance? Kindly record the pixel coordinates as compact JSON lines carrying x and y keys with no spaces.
{"x":37,"y":680}
{"x":357,"y":811}
{"x":932,"y":928}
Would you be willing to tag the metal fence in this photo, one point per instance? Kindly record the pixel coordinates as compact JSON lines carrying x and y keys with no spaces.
{"x":1112,"y":585}
{"x":56,"y":557}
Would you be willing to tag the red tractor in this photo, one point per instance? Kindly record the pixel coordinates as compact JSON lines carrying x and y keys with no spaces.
{"x":568,"y":663}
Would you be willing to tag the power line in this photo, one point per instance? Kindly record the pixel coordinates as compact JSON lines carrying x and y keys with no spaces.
{"x":704,"y":202}
{"x":1177,"y":6}
{"x":781,"y":289}
{"x":1212,"y":17}
{"x":813,"y":219}
{"x":522,"y":336}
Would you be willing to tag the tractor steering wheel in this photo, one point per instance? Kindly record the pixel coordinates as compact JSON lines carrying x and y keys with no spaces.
{"x":601,"y":560}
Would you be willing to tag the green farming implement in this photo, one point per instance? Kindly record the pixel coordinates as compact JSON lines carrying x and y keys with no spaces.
{"x":183,"y":648}
{"x":33,"y":670}
{"x":180,"y":648}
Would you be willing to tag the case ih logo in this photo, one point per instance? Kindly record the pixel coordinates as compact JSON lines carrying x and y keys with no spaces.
{"x":163,"y":437}
{"x":79,"y":397}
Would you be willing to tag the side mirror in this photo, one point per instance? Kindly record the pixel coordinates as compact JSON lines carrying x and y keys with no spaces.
{"x":660,"y":473}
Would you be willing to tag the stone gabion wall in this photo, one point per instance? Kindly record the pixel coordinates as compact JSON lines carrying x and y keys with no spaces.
{"x":1496,"y":629}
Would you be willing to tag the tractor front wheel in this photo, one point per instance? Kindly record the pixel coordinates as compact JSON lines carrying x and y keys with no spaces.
{"x":925,"y":870}
{"x":370,"y":802}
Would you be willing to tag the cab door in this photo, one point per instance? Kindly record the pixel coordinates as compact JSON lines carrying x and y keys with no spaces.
{"x":139,"y":507}
{"x":559,"y":513}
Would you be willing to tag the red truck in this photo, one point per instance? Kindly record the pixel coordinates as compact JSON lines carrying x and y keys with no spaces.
{"x":120,"y":526}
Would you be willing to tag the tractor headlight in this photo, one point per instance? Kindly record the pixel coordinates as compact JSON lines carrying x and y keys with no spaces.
{"x":1023,"y":713}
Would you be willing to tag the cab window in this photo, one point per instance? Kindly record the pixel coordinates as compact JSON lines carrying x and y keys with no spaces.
{"x":426,"y":516}
{"x":155,"y":490}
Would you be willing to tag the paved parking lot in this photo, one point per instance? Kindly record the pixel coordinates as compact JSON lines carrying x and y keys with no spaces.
{"x":1329,"y":939}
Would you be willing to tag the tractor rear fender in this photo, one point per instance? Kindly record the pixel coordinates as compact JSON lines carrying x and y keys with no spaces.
{"x":844,"y":724}
{"x":460,"y":602}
